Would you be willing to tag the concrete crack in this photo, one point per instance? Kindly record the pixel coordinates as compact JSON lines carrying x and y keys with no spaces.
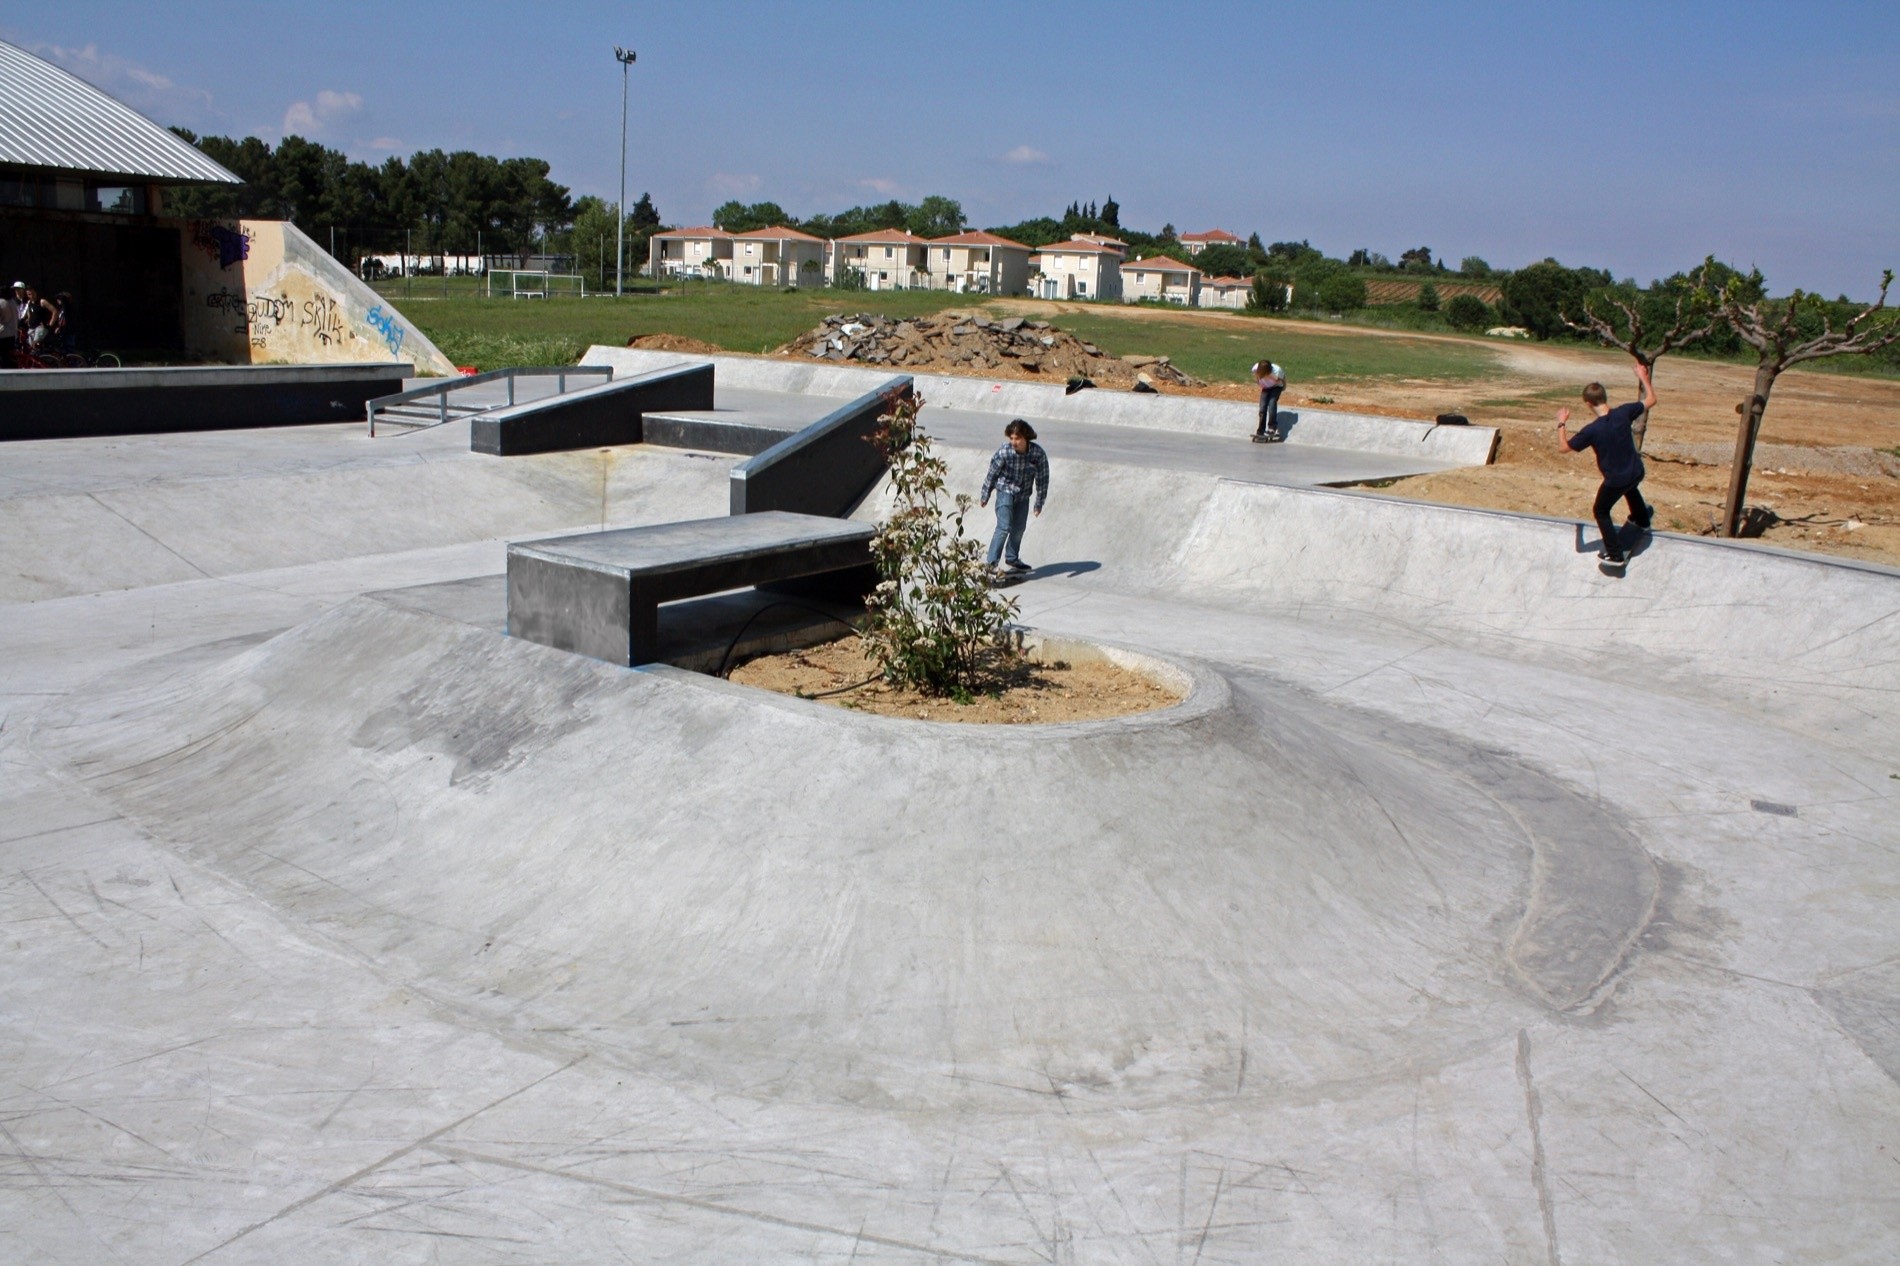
{"x":1534,"y":1111}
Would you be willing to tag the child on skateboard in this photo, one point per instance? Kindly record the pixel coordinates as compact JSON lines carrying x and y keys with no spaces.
{"x":1617,"y":460}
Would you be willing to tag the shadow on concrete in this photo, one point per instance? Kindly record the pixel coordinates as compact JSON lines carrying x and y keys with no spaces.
{"x":1061,"y":569}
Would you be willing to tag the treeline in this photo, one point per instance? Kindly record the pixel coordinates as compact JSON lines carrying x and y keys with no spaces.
{"x":433,"y":202}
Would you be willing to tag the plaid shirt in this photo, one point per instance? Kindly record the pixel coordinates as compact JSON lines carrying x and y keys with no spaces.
{"x":1015,"y":473}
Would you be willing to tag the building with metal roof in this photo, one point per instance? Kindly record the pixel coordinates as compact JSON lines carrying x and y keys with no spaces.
{"x":82,"y":193}
{"x":78,"y":141}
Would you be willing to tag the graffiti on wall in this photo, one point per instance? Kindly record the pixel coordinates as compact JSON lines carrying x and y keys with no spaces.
{"x":261,"y":315}
{"x":227,"y":243}
{"x":385,"y":324}
{"x":323,"y":317}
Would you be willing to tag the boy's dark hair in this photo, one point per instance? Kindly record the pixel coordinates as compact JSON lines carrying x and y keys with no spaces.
{"x":1019,"y":427}
{"x":1594,"y":395}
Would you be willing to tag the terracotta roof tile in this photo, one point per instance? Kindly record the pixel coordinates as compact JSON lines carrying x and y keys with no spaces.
{"x":1073,"y":247}
{"x":976,"y":237}
{"x":1159,"y":264}
{"x":705,"y":230}
{"x":1213,"y":235}
{"x":887,"y":235}
{"x":778,"y":232}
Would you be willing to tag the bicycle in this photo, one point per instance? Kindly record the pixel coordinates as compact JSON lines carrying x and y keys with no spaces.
{"x":50,"y":358}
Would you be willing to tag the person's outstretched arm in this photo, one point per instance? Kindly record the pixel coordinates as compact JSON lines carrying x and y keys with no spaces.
{"x":1563,"y":436}
{"x":1649,"y":389}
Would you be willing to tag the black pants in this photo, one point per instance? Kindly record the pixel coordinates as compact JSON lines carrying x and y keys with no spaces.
{"x":1607,"y":497}
{"x":1269,"y":410}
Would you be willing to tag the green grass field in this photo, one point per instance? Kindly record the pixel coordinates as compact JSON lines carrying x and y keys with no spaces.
{"x":490,"y":333}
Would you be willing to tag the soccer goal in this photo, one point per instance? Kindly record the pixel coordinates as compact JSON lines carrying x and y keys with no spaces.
{"x":526,"y":283}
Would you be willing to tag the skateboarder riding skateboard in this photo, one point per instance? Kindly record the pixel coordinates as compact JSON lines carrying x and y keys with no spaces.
{"x":1621,"y":465}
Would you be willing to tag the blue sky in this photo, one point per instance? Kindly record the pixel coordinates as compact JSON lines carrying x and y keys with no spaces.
{"x":1636,"y":138}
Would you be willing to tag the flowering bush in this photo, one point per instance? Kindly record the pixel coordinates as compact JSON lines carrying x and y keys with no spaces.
{"x":935,"y":610}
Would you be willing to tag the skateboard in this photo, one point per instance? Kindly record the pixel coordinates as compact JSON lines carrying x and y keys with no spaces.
{"x":1630,"y":538}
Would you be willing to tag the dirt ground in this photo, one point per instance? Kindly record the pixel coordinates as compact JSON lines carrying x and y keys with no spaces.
{"x":1827,"y":465}
{"x":838,"y":673}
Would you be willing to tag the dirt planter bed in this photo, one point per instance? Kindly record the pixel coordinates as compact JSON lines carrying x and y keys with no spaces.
{"x":1057,"y":680}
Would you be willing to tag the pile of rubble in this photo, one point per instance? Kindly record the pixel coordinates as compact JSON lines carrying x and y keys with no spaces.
{"x":962,"y":342}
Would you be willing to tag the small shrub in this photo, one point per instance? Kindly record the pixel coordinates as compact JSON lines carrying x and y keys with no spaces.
{"x":1341,"y":292}
{"x":1268,"y":294}
{"x":935,"y":610}
{"x":850,"y":278}
{"x":1467,"y":312}
{"x":1428,"y":298}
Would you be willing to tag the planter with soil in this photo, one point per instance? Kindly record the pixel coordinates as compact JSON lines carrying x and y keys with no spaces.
{"x":1039,"y":681}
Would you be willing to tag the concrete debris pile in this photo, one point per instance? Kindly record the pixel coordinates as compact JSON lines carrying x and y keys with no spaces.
{"x":963,"y":342}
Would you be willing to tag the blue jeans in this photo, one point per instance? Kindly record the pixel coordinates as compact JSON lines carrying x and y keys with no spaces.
{"x":1269,"y":410}
{"x":1012,"y":516}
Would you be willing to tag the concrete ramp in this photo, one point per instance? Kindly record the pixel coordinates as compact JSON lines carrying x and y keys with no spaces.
{"x":261,"y":292}
{"x":1807,"y":639}
{"x":1439,"y":446}
{"x":386,"y":776}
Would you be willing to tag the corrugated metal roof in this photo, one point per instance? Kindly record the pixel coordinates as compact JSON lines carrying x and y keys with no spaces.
{"x":51,"y":118}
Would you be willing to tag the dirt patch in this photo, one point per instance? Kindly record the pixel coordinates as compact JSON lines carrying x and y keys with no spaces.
{"x":674,"y":343}
{"x":1022,"y":693}
{"x":963,"y":342}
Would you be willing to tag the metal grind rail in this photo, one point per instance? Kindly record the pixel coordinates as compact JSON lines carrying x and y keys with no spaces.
{"x":406,"y":409}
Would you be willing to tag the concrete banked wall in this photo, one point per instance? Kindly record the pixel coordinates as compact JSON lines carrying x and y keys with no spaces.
{"x":1799,"y":636}
{"x":1194,"y":415}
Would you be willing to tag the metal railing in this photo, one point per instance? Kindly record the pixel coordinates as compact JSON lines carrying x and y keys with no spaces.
{"x":441,"y":391}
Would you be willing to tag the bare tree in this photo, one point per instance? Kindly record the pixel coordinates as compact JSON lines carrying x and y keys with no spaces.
{"x":1694,"y":319}
{"x":1782,"y":338}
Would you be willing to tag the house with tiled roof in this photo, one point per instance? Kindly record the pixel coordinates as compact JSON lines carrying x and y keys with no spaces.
{"x":1080,"y":268}
{"x":978,"y":263}
{"x":1162,"y":278}
{"x":778,"y":256}
{"x":888,"y":259}
{"x":1198,"y":242}
{"x":1225,"y":292}
{"x":695,"y":252}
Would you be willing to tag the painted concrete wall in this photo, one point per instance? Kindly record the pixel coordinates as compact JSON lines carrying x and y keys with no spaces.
{"x":260,"y":292}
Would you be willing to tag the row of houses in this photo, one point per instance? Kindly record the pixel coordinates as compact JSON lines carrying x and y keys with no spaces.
{"x":1087,"y":266}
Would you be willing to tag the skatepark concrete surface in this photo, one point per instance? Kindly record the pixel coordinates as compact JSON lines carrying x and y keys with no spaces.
{"x":1474,"y":905}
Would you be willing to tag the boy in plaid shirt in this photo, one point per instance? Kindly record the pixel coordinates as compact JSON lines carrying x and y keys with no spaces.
{"x":1017,"y":468}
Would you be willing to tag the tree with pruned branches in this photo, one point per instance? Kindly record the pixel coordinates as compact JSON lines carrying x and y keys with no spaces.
{"x":1785,"y":333}
{"x":1646,"y":331}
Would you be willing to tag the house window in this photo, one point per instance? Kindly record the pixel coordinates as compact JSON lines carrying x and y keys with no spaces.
{"x":1081,"y":286}
{"x":748,"y":250}
{"x":887,"y":252}
{"x":946,"y":254}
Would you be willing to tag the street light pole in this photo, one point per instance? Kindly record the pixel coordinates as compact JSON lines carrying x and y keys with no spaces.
{"x":625,"y":56}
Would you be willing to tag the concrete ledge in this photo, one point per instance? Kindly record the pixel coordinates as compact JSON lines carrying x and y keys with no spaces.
{"x":711,"y":435}
{"x":1194,"y":415}
{"x":599,"y":593}
{"x":60,"y":403}
{"x":593,"y":417}
{"x":827,"y":468}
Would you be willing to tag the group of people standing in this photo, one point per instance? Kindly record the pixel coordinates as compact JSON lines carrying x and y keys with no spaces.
{"x":31,"y":324}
